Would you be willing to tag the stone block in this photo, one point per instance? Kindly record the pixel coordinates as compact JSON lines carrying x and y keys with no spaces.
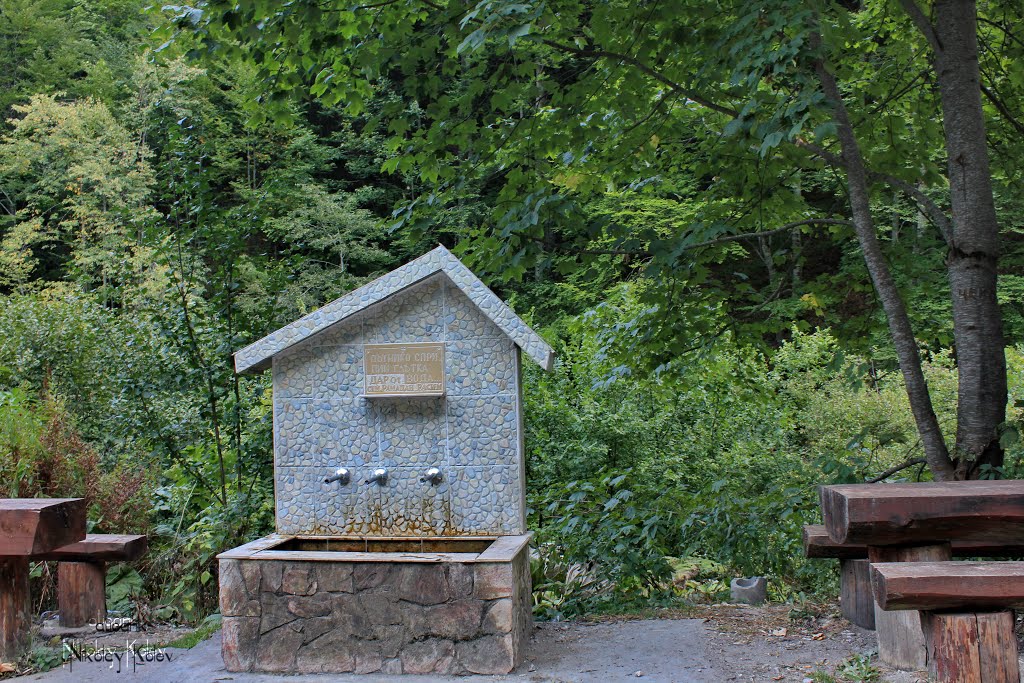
{"x":423,"y":584}
{"x":271,"y":573}
{"x":458,"y":620}
{"x":348,"y":613}
{"x":317,"y":658}
{"x":305,"y":606}
{"x":384,"y":639}
{"x":239,"y":642}
{"x":433,"y":655}
{"x":487,"y":654}
{"x":239,"y":588}
{"x":499,"y":617}
{"x":328,"y":654}
{"x":492,"y":581}
{"x":277,"y":653}
{"x":315,"y":627}
{"x":380,"y":609}
{"x":368,"y":662}
{"x":274,"y":612}
{"x":391,"y":667}
{"x":370,"y":575}
{"x":460,"y":580}
{"x":335,"y":577}
{"x":298,"y":579}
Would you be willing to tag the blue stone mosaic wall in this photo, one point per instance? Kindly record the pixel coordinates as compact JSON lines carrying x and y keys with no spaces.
{"x":472,"y":434}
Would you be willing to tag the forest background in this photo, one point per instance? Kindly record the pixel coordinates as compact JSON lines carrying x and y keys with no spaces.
{"x":161,"y":206}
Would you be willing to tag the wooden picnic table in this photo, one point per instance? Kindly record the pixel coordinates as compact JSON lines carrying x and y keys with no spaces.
{"x":917,"y":523}
{"x":28,"y":527}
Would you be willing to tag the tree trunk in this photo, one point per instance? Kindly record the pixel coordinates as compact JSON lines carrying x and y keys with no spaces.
{"x":971,"y":264}
{"x":900,"y":330}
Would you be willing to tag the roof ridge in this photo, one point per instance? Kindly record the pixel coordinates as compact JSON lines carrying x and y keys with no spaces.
{"x":256,"y":356}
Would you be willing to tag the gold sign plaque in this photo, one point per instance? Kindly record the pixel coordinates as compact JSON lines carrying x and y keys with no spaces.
{"x":404,"y":369}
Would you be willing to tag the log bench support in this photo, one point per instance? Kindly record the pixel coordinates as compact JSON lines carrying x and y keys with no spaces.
{"x":15,"y":614}
{"x":972,"y":646}
{"x":82,"y":575}
{"x":964,"y":608}
{"x":901,"y":635}
{"x":81,"y":593}
{"x":855,"y":599}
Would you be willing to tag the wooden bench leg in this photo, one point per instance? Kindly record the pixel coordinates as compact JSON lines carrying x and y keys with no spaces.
{"x":901,"y":637}
{"x":81,"y":593}
{"x":977,"y":647}
{"x":855,"y":598}
{"x":15,"y":613}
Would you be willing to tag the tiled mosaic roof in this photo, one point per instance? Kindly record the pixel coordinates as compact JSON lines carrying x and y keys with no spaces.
{"x":256,"y":356}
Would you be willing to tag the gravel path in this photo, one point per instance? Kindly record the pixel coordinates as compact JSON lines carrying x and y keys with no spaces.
{"x":727,"y":643}
{"x":668,"y":651}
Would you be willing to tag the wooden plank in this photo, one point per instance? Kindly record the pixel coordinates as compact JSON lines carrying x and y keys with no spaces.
{"x":997,"y":648}
{"x":818,"y":544}
{"x":30,"y":526}
{"x":81,"y":593}
{"x":15,"y":614}
{"x":948,"y":585}
{"x":900,"y":514}
{"x":100,"y":548}
{"x":901,"y":635}
{"x":855,"y":597}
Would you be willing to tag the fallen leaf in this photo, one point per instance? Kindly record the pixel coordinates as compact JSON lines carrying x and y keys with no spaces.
{"x":7,"y":667}
{"x":780,"y":632}
{"x":818,"y":636}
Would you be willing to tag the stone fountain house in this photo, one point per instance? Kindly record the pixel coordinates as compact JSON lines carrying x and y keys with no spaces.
{"x":401,"y":544}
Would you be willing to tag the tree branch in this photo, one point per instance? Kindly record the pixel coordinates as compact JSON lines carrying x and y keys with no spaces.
{"x":898,"y":468}
{"x":998,"y":104}
{"x":928,"y":207}
{"x":932,"y":210}
{"x":775,"y":231}
{"x":718,"y":240}
{"x":653,"y":73}
{"x":923,"y":24}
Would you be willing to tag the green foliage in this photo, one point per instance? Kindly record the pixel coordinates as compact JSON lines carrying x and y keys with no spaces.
{"x":602,"y":518}
{"x":718,"y":460}
{"x":124,"y":585}
{"x":43,"y":658}
{"x":42,"y":454}
{"x":207,"y":628}
{"x":164,"y":204}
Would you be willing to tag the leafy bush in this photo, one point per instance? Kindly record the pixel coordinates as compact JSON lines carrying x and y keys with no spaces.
{"x":720,"y":459}
{"x":42,"y":454}
{"x":600,"y":518}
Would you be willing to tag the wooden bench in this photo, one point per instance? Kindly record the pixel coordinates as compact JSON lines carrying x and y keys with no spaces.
{"x":967,"y":614}
{"x":82,"y":574}
{"x":29,"y":526}
{"x":855,"y":597}
{"x":918,"y":523}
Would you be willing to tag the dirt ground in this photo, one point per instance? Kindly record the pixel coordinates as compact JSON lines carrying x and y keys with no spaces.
{"x":780,"y":643}
{"x":702,"y":645}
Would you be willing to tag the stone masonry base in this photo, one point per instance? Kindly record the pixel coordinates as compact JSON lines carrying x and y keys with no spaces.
{"x":299,"y":616}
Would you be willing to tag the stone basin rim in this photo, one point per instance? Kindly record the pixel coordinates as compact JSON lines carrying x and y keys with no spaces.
{"x":501,"y":549}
